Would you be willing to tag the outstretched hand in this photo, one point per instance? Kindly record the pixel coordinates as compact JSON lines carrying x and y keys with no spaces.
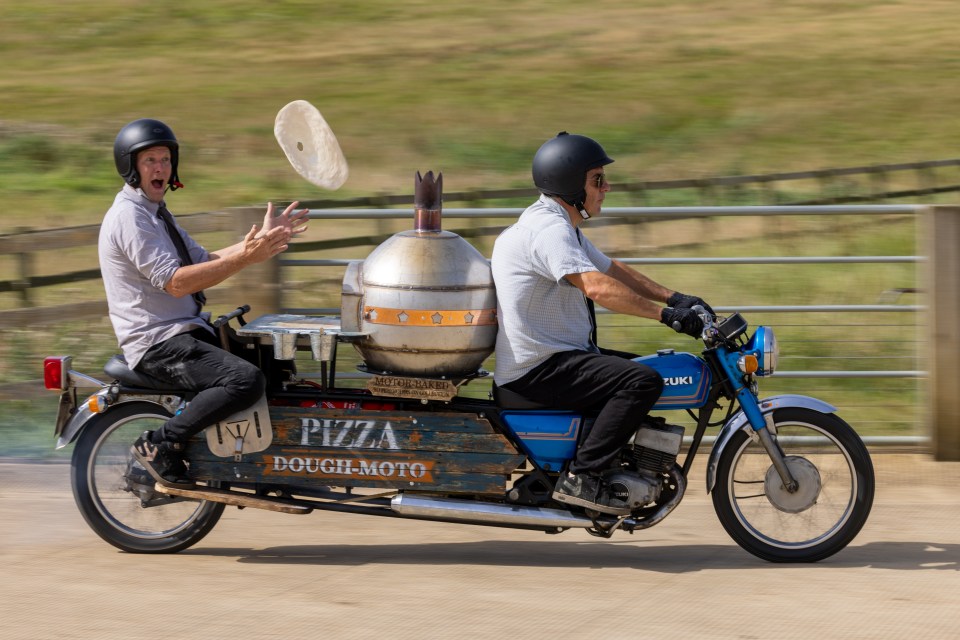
{"x":273,"y":238}
{"x":294,"y":222}
{"x":259,"y":245}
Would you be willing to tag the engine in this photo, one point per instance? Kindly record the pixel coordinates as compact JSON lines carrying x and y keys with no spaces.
{"x":651,"y":455}
{"x":656,"y":446}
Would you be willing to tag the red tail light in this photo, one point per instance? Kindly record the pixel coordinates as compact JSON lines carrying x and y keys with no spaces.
{"x":56,"y":372}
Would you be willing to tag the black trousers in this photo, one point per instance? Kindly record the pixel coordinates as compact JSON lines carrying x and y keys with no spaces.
{"x":621,"y":390}
{"x":226,"y":383}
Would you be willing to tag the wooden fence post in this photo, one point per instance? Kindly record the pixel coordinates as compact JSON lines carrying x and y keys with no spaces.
{"x":259,"y":284}
{"x":942,"y":239}
{"x":25,"y":273}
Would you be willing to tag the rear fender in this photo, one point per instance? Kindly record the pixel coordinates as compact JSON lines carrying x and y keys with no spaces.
{"x":83,"y":415}
{"x":739,"y":421}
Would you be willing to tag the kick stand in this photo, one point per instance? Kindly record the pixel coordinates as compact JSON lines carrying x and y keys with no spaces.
{"x":234,"y":498}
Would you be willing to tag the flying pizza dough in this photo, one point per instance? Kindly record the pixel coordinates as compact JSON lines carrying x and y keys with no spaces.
{"x":310,"y":145}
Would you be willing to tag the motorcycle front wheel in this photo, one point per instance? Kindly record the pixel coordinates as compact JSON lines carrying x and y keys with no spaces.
{"x":116,"y":496}
{"x":828,"y":509}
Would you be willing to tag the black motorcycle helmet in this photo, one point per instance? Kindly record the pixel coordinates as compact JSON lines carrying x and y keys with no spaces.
{"x":143,"y":134}
{"x":561,"y":165}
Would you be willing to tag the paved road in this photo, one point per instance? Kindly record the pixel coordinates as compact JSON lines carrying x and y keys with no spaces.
{"x":267,"y":575}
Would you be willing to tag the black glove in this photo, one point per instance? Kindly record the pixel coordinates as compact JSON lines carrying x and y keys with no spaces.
{"x":682,"y":321}
{"x":683,"y":301}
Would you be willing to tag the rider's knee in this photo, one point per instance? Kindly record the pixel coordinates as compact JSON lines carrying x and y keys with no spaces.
{"x":647,"y":379}
{"x":658,"y":382}
{"x":249,"y":382}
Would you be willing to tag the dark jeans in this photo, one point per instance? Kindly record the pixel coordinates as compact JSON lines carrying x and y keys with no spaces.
{"x":226,"y":383}
{"x":621,"y":390}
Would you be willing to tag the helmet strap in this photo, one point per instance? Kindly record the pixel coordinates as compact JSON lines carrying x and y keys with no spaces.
{"x":577,"y":203}
{"x":583,"y":212}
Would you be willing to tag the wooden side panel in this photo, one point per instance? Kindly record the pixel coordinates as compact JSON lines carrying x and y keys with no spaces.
{"x":446,"y":452}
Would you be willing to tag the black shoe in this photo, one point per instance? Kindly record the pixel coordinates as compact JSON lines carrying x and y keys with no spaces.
{"x":137,"y":475}
{"x":164,"y":461}
{"x":585,"y":490}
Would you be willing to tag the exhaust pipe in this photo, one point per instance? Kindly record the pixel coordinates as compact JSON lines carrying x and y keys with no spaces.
{"x":506,"y":515}
{"x":487,"y":513}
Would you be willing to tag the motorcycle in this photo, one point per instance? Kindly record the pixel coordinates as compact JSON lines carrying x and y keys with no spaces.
{"x":790,"y":480}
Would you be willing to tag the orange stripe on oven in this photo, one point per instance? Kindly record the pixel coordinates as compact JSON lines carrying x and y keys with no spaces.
{"x":430,"y":317}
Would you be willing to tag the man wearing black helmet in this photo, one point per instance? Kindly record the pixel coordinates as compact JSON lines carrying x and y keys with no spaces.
{"x":547,"y":275}
{"x":154,"y":274}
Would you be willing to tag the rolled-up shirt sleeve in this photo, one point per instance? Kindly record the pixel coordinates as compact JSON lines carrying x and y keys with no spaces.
{"x":149,"y":252}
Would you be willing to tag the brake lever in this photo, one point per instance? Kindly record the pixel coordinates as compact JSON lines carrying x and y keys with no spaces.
{"x":705,"y":317}
{"x":710,"y":322}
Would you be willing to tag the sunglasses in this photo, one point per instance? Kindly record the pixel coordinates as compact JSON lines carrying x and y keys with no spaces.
{"x":599,"y":180}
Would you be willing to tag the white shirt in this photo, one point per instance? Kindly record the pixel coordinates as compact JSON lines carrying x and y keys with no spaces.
{"x":538,"y":311}
{"x":137,"y":260}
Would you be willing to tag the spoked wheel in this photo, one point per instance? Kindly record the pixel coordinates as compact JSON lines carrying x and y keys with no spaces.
{"x":116,"y":496}
{"x":826,"y":511}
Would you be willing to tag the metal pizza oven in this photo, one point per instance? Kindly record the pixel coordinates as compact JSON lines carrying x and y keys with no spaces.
{"x":425,"y":297}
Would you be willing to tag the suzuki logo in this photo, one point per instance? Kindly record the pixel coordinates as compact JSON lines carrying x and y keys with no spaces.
{"x":677,"y":381}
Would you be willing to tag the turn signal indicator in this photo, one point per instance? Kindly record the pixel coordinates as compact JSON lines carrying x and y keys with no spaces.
{"x":747,"y":364}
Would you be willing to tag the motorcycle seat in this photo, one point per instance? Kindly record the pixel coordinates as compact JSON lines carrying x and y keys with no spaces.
{"x":506,"y":399}
{"x":117,"y":369}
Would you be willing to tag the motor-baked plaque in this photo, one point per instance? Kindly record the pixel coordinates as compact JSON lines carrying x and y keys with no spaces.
{"x":416,"y":388}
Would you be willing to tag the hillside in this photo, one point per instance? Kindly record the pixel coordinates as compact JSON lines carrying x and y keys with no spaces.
{"x":672,"y":89}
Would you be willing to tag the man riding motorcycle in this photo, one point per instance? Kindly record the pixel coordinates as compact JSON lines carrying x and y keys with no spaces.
{"x":154,"y":274}
{"x":547,"y":276}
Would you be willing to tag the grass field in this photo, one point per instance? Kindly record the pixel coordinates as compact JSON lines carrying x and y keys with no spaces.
{"x":673,"y":89}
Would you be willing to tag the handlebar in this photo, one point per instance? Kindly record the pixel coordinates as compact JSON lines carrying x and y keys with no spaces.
{"x":709,"y":320}
{"x":236,"y":313}
{"x":705,"y":316}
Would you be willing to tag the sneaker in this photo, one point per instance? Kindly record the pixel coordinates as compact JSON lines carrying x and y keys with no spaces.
{"x":585,"y":490}
{"x":137,"y":475}
{"x":164,"y":461}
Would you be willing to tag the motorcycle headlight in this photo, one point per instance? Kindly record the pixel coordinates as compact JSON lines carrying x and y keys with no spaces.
{"x":770,"y":352}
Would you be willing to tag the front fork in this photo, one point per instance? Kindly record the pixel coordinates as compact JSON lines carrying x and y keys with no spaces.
{"x":764,"y":431}
{"x":776,"y":457}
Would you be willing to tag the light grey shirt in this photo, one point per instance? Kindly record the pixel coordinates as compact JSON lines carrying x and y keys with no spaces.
{"x":137,"y":259}
{"x":539,"y":312}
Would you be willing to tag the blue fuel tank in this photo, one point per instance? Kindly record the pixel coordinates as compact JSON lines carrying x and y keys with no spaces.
{"x":686,"y":379}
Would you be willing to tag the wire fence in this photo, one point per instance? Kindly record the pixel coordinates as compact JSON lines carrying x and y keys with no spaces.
{"x":862,"y":354}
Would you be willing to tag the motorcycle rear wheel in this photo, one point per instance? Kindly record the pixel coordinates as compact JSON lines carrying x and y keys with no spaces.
{"x":117,"y":500}
{"x":827,"y":511}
